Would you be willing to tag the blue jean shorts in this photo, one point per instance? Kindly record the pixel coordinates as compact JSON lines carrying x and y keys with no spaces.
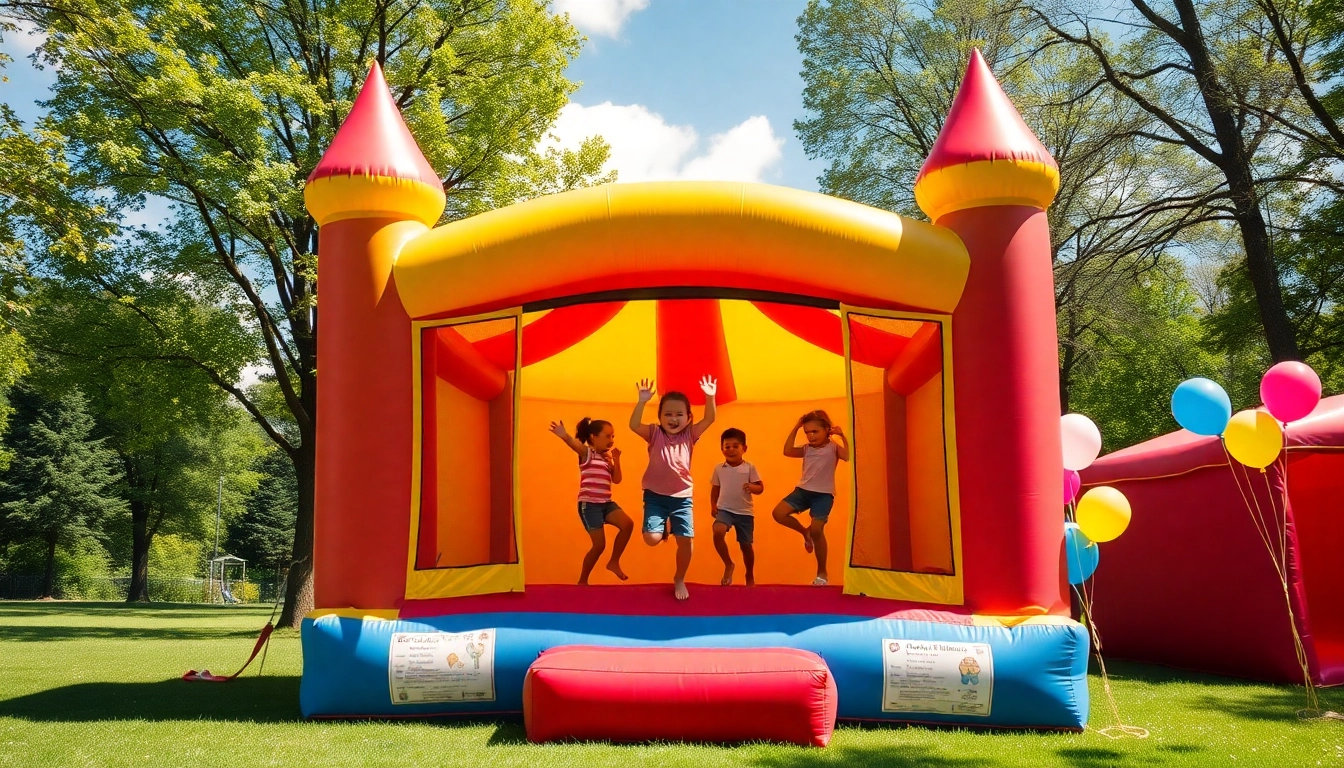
{"x":594,"y":514}
{"x":818,"y":503}
{"x":658,"y":509}
{"x":745,"y":525}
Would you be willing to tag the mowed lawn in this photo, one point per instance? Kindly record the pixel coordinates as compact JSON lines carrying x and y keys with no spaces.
{"x":85,"y":684}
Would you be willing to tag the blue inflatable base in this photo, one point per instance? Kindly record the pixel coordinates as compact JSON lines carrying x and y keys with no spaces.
{"x":1039,"y":671}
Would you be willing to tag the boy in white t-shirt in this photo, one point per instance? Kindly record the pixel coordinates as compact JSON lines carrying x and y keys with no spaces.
{"x":734,"y":483}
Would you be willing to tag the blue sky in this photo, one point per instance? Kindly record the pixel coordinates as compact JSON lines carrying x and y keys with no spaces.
{"x":691,"y":88}
{"x":679,"y":88}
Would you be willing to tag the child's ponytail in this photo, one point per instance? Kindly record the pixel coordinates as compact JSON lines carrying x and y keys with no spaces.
{"x":588,"y":427}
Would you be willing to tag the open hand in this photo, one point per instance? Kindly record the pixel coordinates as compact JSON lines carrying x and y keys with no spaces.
{"x":558,"y":429}
{"x":709,"y":386}
{"x":646,"y":390}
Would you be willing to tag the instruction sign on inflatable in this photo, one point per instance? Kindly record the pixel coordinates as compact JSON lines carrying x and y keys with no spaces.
{"x":449,"y":542}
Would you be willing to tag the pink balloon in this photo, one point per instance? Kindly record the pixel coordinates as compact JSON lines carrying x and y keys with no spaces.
{"x":1072,"y":482}
{"x":1290,"y":390}
{"x":1081,"y":441}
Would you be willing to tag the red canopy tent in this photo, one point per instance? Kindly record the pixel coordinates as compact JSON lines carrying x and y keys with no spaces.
{"x":1191,"y":583}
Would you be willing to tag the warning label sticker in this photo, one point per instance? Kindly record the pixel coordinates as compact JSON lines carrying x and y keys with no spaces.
{"x":946,"y":678}
{"x":427,"y":667}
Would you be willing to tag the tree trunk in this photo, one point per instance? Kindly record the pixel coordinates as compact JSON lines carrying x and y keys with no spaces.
{"x":141,"y":537}
{"x":299,"y":584}
{"x":1262,"y":269}
{"x":1235,"y":163}
{"x":49,"y":579}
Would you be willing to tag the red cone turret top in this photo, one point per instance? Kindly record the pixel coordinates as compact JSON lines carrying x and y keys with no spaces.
{"x":374,"y":140}
{"x":992,"y":156}
{"x":374,"y":168}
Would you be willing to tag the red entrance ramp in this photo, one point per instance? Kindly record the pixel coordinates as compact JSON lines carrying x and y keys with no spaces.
{"x":679,"y":694}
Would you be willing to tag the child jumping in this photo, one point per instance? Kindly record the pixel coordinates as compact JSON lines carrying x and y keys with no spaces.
{"x":816,"y":487}
{"x":599,"y":467}
{"x":667,"y":481}
{"x":735,"y":481}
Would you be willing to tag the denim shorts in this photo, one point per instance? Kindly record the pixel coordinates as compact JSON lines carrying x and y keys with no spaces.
{"x":818,"y":503}
{"x":658,"y":509}
{"x":594,"y":513}
{"x":745,"y":525}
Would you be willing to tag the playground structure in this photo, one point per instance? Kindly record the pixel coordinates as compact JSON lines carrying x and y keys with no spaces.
{"x":1195,"y":514}
{"x":218,"y":586}
{"x":445,"y":544}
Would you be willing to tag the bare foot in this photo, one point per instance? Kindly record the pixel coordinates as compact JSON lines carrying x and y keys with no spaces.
{"x":807,"y":541}
{"x":751,"y":580}
{"x":583,"y":582}
{"x":679,"y":589}
{"x":615,"y":568}
{"x":727,"y":574}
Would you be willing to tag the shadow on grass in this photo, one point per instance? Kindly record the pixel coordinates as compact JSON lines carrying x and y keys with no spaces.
{"x":34,"y":608}
{"x":31,"y":634}
{"x":1237,"y":697}
{"x":264,"y":699}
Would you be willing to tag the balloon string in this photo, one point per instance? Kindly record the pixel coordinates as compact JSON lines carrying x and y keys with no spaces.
{"x":1280,"y":562}
{"x":1119,"y":729}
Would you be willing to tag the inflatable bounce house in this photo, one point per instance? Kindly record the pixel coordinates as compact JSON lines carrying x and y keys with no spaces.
{"x":1191,"y":585}
{"x":447,"y":545}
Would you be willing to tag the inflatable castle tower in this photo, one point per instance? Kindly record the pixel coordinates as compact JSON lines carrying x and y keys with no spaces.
{"x":976,"y":279}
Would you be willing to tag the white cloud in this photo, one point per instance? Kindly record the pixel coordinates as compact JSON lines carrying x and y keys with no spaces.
{"x":645,"y":147}
{"x":599,"y":17}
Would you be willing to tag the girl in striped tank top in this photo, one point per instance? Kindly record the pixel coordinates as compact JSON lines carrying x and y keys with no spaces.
{"x":599,"y":467}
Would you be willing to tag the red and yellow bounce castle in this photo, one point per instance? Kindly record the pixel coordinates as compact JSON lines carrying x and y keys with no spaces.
{"x":447,"y":544}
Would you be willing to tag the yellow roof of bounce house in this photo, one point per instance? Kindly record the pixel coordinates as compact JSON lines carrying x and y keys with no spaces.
{"x":724,"y":235}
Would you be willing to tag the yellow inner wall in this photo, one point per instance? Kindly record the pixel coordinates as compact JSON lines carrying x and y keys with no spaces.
{"x":463,"y":477}
{"x":554,"y":540}
{"x":872,"y":523}
{"x":930,"y":526}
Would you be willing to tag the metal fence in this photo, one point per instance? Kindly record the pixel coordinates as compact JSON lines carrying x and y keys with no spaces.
{"x":162,"y":589}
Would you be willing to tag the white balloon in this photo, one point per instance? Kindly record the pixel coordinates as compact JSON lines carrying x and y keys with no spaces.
{"x":1081,"y":441}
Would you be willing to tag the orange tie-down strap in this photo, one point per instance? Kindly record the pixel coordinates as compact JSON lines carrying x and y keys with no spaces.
{"x":205,"y":676}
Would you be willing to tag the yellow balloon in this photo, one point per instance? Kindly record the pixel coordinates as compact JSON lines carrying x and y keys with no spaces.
{"x":1254,"y":438}
{"x":1103,"y":513}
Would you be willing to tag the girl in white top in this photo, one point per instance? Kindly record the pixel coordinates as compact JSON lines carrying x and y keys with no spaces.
{"x":816,"y":488}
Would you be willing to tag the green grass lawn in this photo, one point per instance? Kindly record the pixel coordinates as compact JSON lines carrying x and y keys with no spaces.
{"x":96,"y":684}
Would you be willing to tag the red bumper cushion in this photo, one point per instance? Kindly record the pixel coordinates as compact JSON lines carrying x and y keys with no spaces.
{"x":679,"y":694}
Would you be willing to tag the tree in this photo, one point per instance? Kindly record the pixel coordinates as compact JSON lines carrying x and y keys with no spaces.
{"x":880,"y":76}
{"x":61,"y":485}
{"x":1214,"y":87}
{"x":264,"y":533}
{"x":223,"y":110}
{"x":166,"y":419}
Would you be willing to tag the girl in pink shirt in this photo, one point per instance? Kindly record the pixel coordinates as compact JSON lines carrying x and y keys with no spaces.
{"x":815,"y":491}
{"x":599,"y":466}
{"x":667,"y":481}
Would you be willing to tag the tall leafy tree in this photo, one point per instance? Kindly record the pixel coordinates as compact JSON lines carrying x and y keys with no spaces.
{"x":1210,"y":77}
{"x":222,"y":109}
{"x":880,"y":76}
{"x":264,"y":533}
{"x":61,"y":485}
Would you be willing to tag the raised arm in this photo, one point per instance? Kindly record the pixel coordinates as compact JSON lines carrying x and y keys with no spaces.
{"x":637,"y":425}
{"x":615,"y":455}
{"x":710,"y":387}
{"x":558,"y":429}
{"x":841,"y":450}
{"x":791,"y":447}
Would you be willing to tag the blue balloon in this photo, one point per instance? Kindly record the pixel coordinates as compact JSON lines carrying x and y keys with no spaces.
{"x":1201,"y":406}
{"x":1083,"y":555}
